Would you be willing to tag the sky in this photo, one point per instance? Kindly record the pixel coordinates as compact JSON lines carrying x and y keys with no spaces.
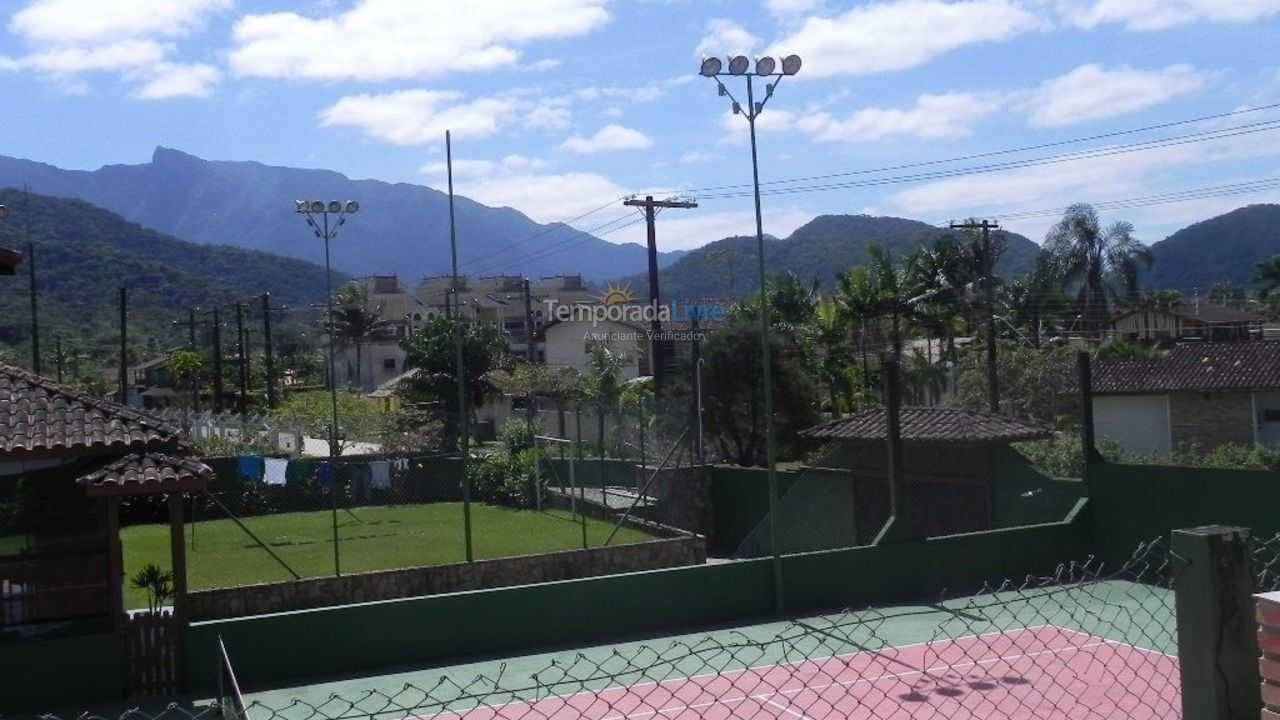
{"x":559,"y":108}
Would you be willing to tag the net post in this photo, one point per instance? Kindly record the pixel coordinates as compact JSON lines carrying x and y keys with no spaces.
{"x":1217,"y":645}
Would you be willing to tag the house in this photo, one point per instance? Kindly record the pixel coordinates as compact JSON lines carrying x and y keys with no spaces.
{"x":9,"y":261}
{"x":1206,"y":394}
{"x":380,"y":358}
{"x":954,"y":464}
{"x":1196,"y":321}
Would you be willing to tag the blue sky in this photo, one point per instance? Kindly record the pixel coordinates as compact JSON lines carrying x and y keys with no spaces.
{"x":560,"y":106}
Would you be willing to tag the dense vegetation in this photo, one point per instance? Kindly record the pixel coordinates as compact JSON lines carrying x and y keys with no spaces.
{"x":85,"y":254}
{"x":1222,"y":248}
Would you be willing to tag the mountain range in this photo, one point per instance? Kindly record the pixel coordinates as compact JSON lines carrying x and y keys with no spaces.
{"x":819,"y":250}
{"x":1225,"y":247}
{"x":84,"y":254}
{"x":401,"y":228}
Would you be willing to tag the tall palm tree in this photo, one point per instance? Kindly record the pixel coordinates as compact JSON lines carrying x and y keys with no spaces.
{"x":873,"y":291}
{"x":1267,"y":275}
{"x":1036,"y":296}
{"x":1098,"y":259}
{"x":357,"y":322}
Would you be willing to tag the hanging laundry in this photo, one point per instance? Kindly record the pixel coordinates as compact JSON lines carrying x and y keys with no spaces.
{"x":275,"y":471}
{"x":250,"y":467}
{"x":300,"y":471}
{"x":380,"y":475}
{"x":324,"y":475}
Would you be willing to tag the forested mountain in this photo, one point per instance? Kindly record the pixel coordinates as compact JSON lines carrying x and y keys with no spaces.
{"x":820,"y":249}
{"x":1222,"y":248}
{"x":84,"y":254}
{"x":401,"y":228}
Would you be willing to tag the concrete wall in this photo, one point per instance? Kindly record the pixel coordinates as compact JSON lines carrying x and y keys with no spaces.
{"x":1211,"y":419}
{"x":437,"y":579}
{"x":50,"y":674}
{"x":1140,"y":423}
{"x":566,"y":344}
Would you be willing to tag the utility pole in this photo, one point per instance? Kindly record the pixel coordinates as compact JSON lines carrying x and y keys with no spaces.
{"x":658,"y":354}
{"x":217,"y":362}
{"x":35,"y":312}
{"x":531,"y":353}
{"x":464,"y":430}
{"x":242,"y":403}
{"x":190,"y":324}
{"x":57,"y":357}
{"x":989,"y":288}
{"x":124,"y":346}
{"x":268,"y":358}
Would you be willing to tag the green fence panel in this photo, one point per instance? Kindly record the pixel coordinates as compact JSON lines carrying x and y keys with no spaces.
{"x":740,"y":500}
{"x":46,"y":674}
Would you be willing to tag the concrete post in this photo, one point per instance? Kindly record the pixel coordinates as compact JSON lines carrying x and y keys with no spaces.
{"x":1217,"y":649}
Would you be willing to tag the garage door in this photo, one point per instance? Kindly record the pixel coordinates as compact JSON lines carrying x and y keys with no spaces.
{"x":1140,"y":423}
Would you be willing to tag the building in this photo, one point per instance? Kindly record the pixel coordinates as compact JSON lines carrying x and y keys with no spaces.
{"x":1197,"y":321}
{"x":955,"y":463}
{"x":1206,"y":394}
{"x":9,"y":261}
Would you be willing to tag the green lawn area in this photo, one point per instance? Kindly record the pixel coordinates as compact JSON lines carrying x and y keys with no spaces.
{"x":371,"y":538}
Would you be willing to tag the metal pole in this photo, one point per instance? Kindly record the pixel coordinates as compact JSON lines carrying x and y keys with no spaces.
{"x":582,"y":497}
{"x":124,"y":346}
{"x":57,"y":349}
{"x":464,"y":441}
{"x":769,"y":444}
{"x":269,"y":359}
{"x":993,"y":373}
{"x":35,"y":311}
{"x":195,"y":380}
{"x":242,"y":403}
{"x":333,"y":401}
{"x":697,"y":379}
{"x":531,"y":353}
{"x":217,"y":362}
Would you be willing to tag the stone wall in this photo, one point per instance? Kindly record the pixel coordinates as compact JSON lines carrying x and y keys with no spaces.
{"x":1212,"y":419}
{"x":436,"y":579}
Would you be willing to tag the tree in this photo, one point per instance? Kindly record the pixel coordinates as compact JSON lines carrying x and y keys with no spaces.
{"x":1227,"y":294}
{"x":360,"y":419}
{"x":356,"y":322}
{"x":1037,"y":296}
{"x":432,"y":351}
{"x":874,"y":291}
{"x":1267,"y":275}
{"x":1035,"y":383}
{"x":535,"y":380}
{"x":1097,"y":259}
{"x":733,"y":401}
{"x":184,"y":367}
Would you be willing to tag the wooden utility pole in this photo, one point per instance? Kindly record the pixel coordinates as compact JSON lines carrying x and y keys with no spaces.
{"x":217,"y":362}
{"x":124,"y":346}
{"x":31,"y":269}
{"x":57,"y":356}
{"x":531,"y":353}
{"x":657,"y":354}
{"x":190,"y":324}
{"x":268,"y":358}
{"x":989,"y":287}
{"x":242,"y":402}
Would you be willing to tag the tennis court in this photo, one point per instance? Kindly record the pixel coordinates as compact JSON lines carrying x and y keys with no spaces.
{"x":1073,"y":645}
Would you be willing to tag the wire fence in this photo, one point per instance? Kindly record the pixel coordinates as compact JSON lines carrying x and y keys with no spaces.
{"x":1266,"y":564}
{"x":1084,"y":641}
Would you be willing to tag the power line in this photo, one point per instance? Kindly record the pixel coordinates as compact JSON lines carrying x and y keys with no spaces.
{"x":568,"y":243}
{"x":544,"y":232}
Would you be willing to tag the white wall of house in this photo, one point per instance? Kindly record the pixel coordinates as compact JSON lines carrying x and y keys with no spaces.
{"x":566,"y":344}
{"x":1266,"y":406}
{"x":379,"y":362}
{"x":1140,"y":423}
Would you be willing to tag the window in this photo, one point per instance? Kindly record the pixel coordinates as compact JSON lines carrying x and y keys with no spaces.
{"x":389,"y":364}
{"x":1271,"y":416}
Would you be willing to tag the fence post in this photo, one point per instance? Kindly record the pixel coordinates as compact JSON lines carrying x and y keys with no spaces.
{"x":1217,"y":648}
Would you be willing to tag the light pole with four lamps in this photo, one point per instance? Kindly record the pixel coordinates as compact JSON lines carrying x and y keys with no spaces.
{"x":327,"y":232}
{"x":765,"y":67}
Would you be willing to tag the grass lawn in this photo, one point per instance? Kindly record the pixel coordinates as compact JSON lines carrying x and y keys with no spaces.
{"x":371,"y":538}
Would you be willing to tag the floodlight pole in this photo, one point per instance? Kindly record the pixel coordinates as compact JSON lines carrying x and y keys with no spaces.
{"x":460,"y":369}
{"x":753,"y":111}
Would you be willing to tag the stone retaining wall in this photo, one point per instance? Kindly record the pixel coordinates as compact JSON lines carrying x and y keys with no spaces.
{"x":436,"y":579}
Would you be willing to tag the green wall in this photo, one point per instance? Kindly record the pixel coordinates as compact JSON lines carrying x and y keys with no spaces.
{"x":1135,"y":503}
{"x":591,"y":472}
{"x":1022,"y":494}
{"x":46,"y":674}
{"x":740,"y":499}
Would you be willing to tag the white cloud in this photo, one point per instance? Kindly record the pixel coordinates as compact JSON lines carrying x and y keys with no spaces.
{"x":1147,"y":15}
{"x":378,"y":40}
{"x":934,"y":117}
{"x":553,"y":113}
{"x":545,"y":197}
{"x":1092,"y":92}
{"x":543,"y":65}
{"x":689,"y":229}
{"x":173,"y":80}
{"x":76,"y":22}
{"x":417,"y":117}
{"x":128,"y":37}
{"x":784,"y":8}
{"x":889,"y":36}
{"x":470,"y":168}
{"x":609,"y":138}
{"x":725,"y":37}
{"x":696,"y":156}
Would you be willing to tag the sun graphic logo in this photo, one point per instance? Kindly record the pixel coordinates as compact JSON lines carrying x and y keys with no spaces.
{"x":613,"y":295}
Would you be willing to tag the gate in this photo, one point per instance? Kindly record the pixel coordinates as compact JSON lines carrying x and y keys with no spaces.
{"x":152,"y":654}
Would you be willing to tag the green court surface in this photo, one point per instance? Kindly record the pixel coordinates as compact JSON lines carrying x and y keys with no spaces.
{"x":370,"y":538}
{"x":1116,"y":611}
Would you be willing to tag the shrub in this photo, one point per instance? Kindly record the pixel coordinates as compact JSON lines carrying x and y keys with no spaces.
{"x":516,"y":435}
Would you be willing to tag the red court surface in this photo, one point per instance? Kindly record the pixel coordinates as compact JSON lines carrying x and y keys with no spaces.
{"x":1041,"y":672}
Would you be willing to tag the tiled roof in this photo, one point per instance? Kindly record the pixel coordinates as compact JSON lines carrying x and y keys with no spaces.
{"x":140,"y":473}
{"x":9,"y":261}
{"x":1194,"y":367}
{"x":1205,"y":313}
{"x":38,"y":416}
{"x":930,"y":425}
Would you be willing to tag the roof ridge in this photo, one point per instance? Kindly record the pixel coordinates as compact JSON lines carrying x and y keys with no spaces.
{"x":100,"y":403}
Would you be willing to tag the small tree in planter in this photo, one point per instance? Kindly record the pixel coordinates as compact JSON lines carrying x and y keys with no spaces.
{"x":157,"y":583}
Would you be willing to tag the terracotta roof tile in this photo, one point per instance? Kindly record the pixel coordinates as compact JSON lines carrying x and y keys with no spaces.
{"x":39,"y":415}
{"x":1194,"y":367}
{"x":930,"y":425}
{"x":138,"y":473}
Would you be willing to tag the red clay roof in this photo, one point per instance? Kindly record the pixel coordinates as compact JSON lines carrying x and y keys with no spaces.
{"x":930,"y":425}
{"x":38,"y":416}
{"x":140,"y":473}
{"x":1194,"y":367}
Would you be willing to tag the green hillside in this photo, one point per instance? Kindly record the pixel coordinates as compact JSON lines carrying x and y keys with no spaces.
{"x":84,"y":254}
{"x":1222,"y":248}
{"x":820,"y":249}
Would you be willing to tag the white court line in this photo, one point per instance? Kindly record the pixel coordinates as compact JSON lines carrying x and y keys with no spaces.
{"x":787,"y":709}
{"x":847,"y":683}
{"x":1117,"y":643}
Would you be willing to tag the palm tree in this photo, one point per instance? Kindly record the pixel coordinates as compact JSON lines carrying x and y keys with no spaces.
{"x":1267,"y":275}
{"x":1092,"y":256}
{"x":356,"y":322}
{"x":1035,"y":296}
{"x":875,"y":290}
